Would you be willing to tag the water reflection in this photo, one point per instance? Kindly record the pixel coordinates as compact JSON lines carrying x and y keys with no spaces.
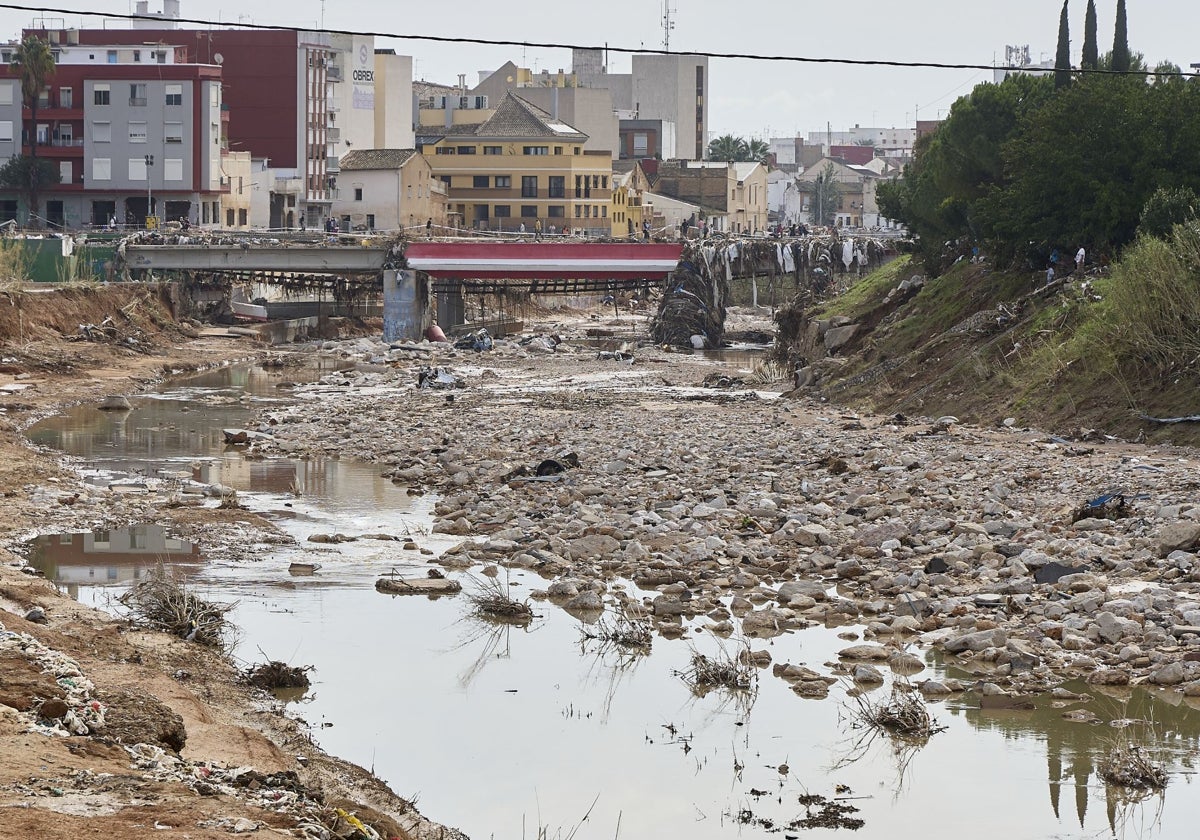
{"x":110,"y":558}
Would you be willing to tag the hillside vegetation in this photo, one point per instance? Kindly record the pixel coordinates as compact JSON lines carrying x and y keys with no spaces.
{"x":1089,"y":352}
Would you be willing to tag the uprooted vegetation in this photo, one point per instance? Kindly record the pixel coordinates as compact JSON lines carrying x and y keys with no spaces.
{"x":1096,"y":351}
{"x":161,"y":602}
{"x":902,"y":712}
{"x":492,"y":600}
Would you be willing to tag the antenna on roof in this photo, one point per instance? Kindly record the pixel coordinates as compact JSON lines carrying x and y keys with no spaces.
{"x":667,"y":24}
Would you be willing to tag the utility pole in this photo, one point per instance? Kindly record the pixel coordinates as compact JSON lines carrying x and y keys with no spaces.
{"x":149,"y":189}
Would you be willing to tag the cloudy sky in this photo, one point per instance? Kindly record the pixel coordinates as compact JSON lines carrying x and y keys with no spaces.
{"x":752,"y":98}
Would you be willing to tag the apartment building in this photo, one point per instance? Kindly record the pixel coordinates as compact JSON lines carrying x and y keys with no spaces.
{"x":133,"y":132}
{"x":521,"y":166}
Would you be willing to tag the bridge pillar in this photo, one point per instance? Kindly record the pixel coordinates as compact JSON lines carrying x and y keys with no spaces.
{"x":451,"y":310}
{"x":407,"y":312}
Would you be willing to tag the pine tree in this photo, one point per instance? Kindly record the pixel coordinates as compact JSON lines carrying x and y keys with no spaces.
{"x":1120,"y":54}
{"x":1062,"y":61}
{"x":1091,"y":52}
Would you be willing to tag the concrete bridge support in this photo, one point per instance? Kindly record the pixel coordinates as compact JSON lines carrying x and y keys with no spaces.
{"x":407,"y":306}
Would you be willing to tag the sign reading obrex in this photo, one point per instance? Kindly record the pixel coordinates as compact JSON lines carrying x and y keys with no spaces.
{"x":363,"y":78}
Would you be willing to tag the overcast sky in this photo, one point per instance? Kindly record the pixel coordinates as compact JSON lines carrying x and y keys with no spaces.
{"x":750,"y":98}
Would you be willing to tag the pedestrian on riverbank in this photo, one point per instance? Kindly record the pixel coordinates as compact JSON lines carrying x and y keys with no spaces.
{"x":1080,"y":258}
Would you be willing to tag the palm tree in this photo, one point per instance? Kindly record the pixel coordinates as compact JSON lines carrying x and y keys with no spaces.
{"x":728,"y":148}
{"x":33,"y":63}
{"x":758,"y":150}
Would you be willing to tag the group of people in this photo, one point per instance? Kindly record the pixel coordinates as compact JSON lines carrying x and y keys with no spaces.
{"x":1080,"y":260}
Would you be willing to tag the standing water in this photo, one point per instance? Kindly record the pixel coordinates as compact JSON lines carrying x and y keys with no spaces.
{"x":544,"y":731}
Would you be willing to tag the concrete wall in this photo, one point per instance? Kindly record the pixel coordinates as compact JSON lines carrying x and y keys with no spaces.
{"x":665,"y":88}
{"x":393,"y":102}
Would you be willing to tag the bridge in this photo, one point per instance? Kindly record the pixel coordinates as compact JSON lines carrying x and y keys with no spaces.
{"x":411,"y":275}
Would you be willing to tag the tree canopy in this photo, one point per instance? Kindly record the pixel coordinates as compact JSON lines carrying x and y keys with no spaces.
{"x":737,"y":149}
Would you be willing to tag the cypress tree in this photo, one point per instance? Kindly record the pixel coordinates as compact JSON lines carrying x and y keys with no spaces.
{"x":1120,"y":54}
{"x":1062,"y":61}
{"x":1091,"y":52}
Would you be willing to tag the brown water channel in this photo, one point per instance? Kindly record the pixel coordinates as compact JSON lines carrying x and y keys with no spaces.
{"x":502,"y":731}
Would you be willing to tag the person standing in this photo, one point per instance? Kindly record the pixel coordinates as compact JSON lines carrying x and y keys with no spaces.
{"x":522,"y":229}
{"x":537,"y":229}
{"x":1080,"y":258}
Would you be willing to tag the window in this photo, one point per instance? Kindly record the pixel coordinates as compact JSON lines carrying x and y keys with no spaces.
{"x":493,"y":150}
{"x":480,"y":182}
{"x":466,"y":150}
{"x":528,"y":211}
{"x":578,"y":211}
{"x":137,"y":55}
{"x":370,"y":221}
{"x":587,"y":211}
{"x":603,"y":182}
{"x":535,"y":150}
{"x":445,"y":179}
{"x":558,"y":150}
{"x":174,"y":94}
{"x":100,"y":94}
{"x":503,"y":182}
{"x":528,"y":186}
{"x":604,"y":211}
{"x":112,"y":57}
{"x":137,"y":132}
{"x":358,"y":193}
{"x":6,"y":131}
{"x":65,"y":175}
{"x":101,"y":169}
{"x":641,"y":144}
{"x":579,"y":186}
{"x":173,"y":169}
{"x":556,"y":211}
{"x":242,"y":219}
{"x":66,"y":98}
{"x":6,"y":92}
{"x":558,"y":186}
{"x":101,"y":132}
{"x":172,"y":132}
{"x":502,"y":211}
{"x":229,"y":217}
{"x":444,"y":150}
{"x":137,"y":169}
{"x":137,"y":94}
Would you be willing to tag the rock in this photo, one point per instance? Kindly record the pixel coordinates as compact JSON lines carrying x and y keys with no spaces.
{"x":37,"y":615}
{"x":1178,"y":536}
{"x":592,"y":547}
{"x":977,"y":641}
{"x":933,"y":687}
{"x":1108,"y":676}
{"x":838,"y":337}
{"x":866,"y":651}
{"x":905,"y":663}
{"x":587,"y":600}
{"x":52,"y":709}
{"x":115,"y":402}
{"x":1172,"y":674}
{"x":665,"y":605}
{"x":562,"y":589}
{"x":1053,"y":572}
{"x":866,"y":674}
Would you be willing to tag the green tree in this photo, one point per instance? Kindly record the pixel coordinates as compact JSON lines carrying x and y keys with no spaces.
{"x":25,"y":174}
{"x":1091,"y":52}
{"x":757,"y":150}
{"x":824,"y":196}
{"x":1166,"y":208}
{"x":728,"y":148}
{"x":1062,"y":59}
{"x":33,"y":63}
{"x":1120,"y":53}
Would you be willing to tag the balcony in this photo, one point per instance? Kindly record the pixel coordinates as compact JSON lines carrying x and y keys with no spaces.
{"x":331,"y":164}
{"x":333,"y":135}
{"x":333,"y":73}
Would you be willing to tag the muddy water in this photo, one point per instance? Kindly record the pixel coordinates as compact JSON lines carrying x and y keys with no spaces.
{"x":503,"y":731}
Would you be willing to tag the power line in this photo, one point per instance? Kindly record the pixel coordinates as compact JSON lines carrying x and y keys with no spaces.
{"x":495,"y":42}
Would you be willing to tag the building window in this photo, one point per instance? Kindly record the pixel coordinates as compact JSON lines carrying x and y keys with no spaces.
{"x":101,"y":169}
{"x":66,"y":98}
{"x":587,"y":211}
{"x":358,"y":193}
{"x":100,"y":95}
{"x":242,"y":217}
{"x":480,"y":182}
{"x":503,"y":182}
{"x":445,"y":179}
{"x":528,"y":211}
{"x":579,"y":186}
{"x":65,"y":175}
{"x":558,"y":150}
{"x":111,"y":56}
{"x":578,"y":211}
{"x":603,"y":182}
{"x":490,"y":150}
{"x":229,"y":217}
{"x":137,"y":55}
{"x":641,"y":144}
{"x":137,"y":132}
{"x":173,"y":132}
{"x":370,"y":221}
{"x":137,"y":169}
{"x":173,"y":169}
{"x":528,"y":186}
{"x":557,"y":187}
{"x":444,"y":150}
{"x":535,"y":150}
{"x":556,"y":211}
{"x":6,"y":131}
{"x":137,"y":94}
{"x":174,"y":94}
{"x":502,"y":211}
{"x":604,"y":211}
{"x":6,"y":92}
{"x":466,"y":150}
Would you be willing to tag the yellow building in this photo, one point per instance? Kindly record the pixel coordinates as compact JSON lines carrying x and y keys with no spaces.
{"x":235,"y":201}
{"x":521,"y":167}
{"x":630,"y":184}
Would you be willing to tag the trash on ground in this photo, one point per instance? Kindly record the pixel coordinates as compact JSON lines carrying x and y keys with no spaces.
{"x":437,"y":378}
{"x":479,"y":341}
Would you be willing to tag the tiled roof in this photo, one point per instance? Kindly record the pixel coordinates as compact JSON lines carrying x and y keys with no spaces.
{"x":375,"y":158}
{"x":519,"y":119}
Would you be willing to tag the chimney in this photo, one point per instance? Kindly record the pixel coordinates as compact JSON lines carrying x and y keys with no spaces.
{"x":462,"y":83}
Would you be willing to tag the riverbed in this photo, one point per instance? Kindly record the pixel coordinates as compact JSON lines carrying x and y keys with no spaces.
{"x":505,"y":731}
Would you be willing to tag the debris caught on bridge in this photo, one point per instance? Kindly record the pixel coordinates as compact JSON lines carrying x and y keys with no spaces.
{"x":693,"y":303}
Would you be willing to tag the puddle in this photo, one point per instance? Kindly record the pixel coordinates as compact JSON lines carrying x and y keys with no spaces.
{"x":505,"y":731}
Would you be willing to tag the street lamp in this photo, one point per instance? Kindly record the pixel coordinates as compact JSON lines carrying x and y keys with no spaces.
{"x":149,"y":186}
